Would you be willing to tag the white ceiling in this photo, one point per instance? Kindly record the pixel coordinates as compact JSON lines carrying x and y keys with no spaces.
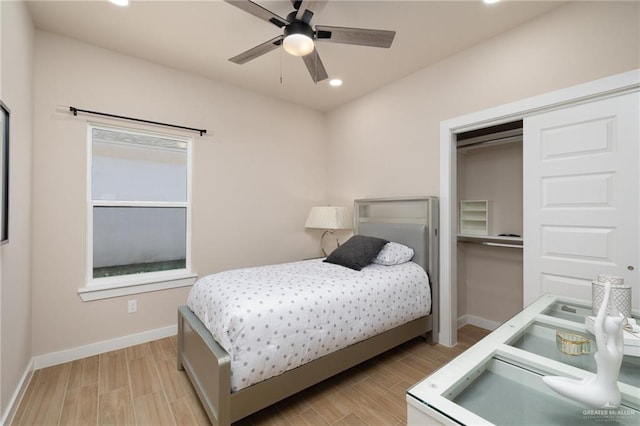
{"x":200,"y":37}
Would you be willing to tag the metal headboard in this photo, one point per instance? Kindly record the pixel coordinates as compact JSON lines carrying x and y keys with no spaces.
{"x":410,"y":221}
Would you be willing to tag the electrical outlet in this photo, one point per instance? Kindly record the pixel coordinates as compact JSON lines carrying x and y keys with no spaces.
{"x":132,"y":306}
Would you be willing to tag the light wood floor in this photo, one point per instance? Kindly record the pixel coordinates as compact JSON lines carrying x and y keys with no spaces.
{"x":140,"y":385}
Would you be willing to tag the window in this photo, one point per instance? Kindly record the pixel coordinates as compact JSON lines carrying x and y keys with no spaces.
{"x":138,"y":211}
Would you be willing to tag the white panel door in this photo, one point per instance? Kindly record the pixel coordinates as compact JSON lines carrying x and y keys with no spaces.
{"x":581,"y":191}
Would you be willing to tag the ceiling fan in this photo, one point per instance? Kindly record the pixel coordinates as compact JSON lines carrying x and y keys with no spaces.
{"x":299,"y":38}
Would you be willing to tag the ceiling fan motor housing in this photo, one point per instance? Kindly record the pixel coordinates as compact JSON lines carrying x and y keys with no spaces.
{"x":299,"y":27}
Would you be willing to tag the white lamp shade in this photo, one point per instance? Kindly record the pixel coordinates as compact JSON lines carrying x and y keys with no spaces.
{"x":329,"y":217}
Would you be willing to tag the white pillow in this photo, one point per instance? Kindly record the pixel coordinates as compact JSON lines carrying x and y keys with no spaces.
{"x":393,"y":254}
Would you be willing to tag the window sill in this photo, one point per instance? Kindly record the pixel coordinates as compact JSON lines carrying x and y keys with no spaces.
{"x":105,"y":288}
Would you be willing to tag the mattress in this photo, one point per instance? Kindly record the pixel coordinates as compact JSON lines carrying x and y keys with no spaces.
{"x":271,"y":319}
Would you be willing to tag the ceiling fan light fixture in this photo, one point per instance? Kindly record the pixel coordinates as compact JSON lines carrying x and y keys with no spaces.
{"x":298,"y":39}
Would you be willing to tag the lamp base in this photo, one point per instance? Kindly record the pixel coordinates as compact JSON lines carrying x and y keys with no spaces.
{"x":324,"y":234}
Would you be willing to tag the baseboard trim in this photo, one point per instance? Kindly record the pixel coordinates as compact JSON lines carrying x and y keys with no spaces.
{"x":478,"y":322}
{"x":67,"y":355}
{"x":17,"y":396}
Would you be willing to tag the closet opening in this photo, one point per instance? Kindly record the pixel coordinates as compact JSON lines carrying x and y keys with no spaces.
{"x":490,"y":224}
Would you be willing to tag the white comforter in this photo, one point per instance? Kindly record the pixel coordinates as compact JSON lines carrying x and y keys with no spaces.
{"x":271,"y":319}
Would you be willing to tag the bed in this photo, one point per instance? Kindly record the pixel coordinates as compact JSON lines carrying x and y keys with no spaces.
{"x":409,"y":221}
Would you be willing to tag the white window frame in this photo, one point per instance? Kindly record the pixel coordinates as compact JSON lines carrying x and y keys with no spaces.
{"x":122,"y":285}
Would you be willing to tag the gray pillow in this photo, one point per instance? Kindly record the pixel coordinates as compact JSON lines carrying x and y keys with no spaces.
{"x":357,"y":252}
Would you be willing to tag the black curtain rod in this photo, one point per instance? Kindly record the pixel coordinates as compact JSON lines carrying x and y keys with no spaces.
{"x":75,"y":111}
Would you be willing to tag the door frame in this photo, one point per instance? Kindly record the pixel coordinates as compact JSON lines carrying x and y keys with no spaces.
{"x":597,"y":89}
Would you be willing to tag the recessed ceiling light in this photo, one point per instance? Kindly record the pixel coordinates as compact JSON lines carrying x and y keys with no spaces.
{"x":120,"y":2}
{"x":490,"y":1}
{"x":335,"y":82}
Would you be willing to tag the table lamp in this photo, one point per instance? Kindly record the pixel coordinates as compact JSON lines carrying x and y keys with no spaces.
{"x":329,"y":218}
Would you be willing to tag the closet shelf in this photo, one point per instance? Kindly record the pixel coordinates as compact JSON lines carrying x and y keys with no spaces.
{"x":492,"y":240}
{"x":421,"y":219}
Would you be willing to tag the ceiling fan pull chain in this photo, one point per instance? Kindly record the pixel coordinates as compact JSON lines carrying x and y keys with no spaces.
{"x":281,"y":49}
{"x":318,"y":64}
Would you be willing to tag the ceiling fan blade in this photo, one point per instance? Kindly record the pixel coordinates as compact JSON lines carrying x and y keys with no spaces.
{"x":359,"y":36}
{"x":259,"y":50}
{"x":315,"y":66}
{"x":308,"y":8}
{"x":259,"y":11}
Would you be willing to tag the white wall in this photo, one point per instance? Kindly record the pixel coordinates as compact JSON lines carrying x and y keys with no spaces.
{"x":126,"y":236}
{"x":254,"y":180}
{"x":387,"y":143}
{"x":16,"y":91}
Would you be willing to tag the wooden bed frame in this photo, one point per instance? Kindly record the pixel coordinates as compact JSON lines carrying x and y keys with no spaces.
{"x":410,"y":221}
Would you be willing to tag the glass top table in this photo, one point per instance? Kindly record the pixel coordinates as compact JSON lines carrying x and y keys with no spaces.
{"x":499,"y":380}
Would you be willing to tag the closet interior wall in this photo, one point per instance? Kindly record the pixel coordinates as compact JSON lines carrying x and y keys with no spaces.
{"x":490,"y":277}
